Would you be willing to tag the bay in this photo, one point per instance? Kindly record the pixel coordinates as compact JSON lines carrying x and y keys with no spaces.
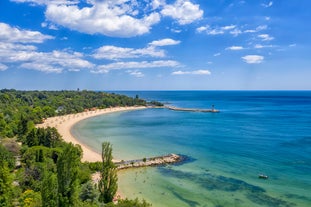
{"x":255,"y":132}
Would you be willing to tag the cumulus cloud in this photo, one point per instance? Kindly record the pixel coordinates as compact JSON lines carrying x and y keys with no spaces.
{"x":253,"y":59}
{"x":201,"y":29}
{"x":42,"y":67}
{"x":235,"y":48}
{"x":195,"y":72}
{"x":152,"y":50}
{"x":112,"y":52}
{"x":3,"y":67}
{"x":135,"y":73}
{"x":103,"y":17}
{"x":164,"y":42}
{"x":13,"y":34}
{"x":27,"y":56}
{"x":219,"y":30}
{"x":265,"y":37}
{"x":135,"y":65}
{"x":184,"y":11}
{"x":45,"y":2}
{"x":115,"y":18}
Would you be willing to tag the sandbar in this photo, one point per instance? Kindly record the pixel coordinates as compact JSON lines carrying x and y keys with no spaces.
{"x":64,"y":123}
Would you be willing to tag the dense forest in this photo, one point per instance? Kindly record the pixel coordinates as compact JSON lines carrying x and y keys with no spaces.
{"x":37,"y":168}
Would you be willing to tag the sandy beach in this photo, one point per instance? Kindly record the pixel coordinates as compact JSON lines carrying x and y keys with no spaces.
{"x":64,"y":123}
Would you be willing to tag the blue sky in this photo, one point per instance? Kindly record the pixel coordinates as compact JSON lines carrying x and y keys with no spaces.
{"x":155,"y":44}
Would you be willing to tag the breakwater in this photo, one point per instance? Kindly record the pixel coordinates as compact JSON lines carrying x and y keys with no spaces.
{"x":152,"y":161}
{"x":212,"y":110}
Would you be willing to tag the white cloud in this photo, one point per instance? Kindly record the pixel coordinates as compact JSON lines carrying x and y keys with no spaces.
{"x":253,"y":59}
{"x":229,"y":27}
{"x":219,"y":30}
{"x":49,"y":25}
{"x":268,"y":4}
{"x":235,"y":48}
{"x":217,"y":54}
{"x":259,"y":46}
{"x":45,"y":2}
{"x":195,"y":72}
{"x":3,"y":67}
{"x":261,"y":27}
{"x":135,"y":65}
{"x":111,"y":18}
{"x":42,"y":67}
{"x":265,"y":37}
{"x":135,"y":73}
{"x":176,"y":30}
{"x":115,"y":18}
{"x":164,"y":42}
{"x":113,"y":52}
{"x":14,"y":46}
{"x":13,"y":34}
{"x":27,"y":56}
{"x":236,"y":32}
{"x":184,"y":11}
{"x":201,"y":29}
{"x":258,"y":29}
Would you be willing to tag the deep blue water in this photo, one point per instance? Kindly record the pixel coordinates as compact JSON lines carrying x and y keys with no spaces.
{"x":255,"y":132}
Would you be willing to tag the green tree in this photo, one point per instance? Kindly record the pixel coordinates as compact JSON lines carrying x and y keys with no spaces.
{"x":67,"y":175}
{"x":49,"y":188}
{"x":6,"y":156}
{"x":2,"y":125}
{"x":130,"y":203}
{"x":108,"y":183}
{"x":30,"y":198}
{"x":88,"y":192}
{"x":32,"y":138}
{"x":5,"y":185}
{"x":22,"y":127}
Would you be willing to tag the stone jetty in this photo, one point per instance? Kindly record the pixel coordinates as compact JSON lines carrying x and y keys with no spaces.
{"x":192,"y":109}
{"x":153,"y":161}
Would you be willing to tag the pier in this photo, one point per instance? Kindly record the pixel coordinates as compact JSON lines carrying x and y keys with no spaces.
{"x":153,"y":161}
{"x":212,"y":110}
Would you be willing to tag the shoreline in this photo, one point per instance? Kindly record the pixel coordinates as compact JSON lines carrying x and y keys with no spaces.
{"x":64,"y":123}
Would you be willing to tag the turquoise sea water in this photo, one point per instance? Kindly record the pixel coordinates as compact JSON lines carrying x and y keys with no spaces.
{"x":255,"y":132}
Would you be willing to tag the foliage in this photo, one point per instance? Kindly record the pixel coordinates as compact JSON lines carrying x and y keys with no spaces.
{"x":5,"y":184}
{"x":88,"y":192}
{"x":48,"y":137}
{"x":130,"y":203}
{"x":6,"y":156}
{"x":108,"y":183}
{"x":51,"y":172}
{"x":49,"y":189}
{"x":18,"y":108}
{"x":30,"y":198}
{"x":95,"y":166}
{"x":156,"y":103}
{"x":67,"y":175}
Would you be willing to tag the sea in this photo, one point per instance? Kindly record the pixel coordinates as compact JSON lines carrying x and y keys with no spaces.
{"x":255,"y":133}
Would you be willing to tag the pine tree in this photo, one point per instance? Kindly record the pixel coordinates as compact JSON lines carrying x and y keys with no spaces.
{"x":108,"y":183}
